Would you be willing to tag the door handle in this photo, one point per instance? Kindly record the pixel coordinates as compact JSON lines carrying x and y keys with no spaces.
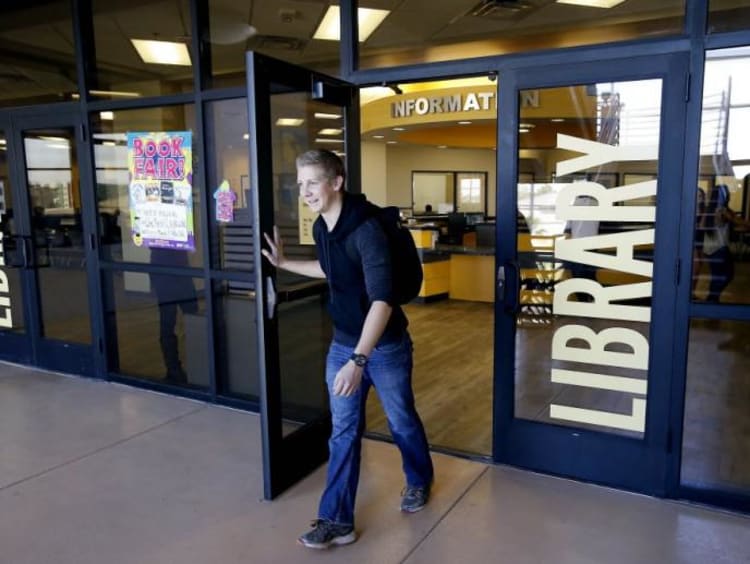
{"x":270,"y":298}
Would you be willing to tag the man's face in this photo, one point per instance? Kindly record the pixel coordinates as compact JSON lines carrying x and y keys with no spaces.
{"x":317,"y":191}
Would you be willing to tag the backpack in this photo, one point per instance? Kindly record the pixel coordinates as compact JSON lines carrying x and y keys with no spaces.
{"x":406,"y":266}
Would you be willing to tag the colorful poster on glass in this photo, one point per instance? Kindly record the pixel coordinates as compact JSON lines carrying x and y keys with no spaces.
{"x":161,"y":192}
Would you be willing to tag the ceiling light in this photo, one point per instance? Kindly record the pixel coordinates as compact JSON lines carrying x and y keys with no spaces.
{"x":321,"y":140}
{"x":378,"y":136}
{"x":391,"y":142}
{"x":368,"y":19}
{"x":557,"y":120}
{"x":330,"y":131}
{"x":464,"y":122}
{"x":107,"y":116}
{"x":114,"y":93}
{"x":442,"y":146}
{"x":523,"y":130}
{"x":320,"y":115}
{"x":3,"y":142}
{"x":246,"y":136}
{"x":592,"y":3}
{"x":162,"y":52}
{"x":290,"y":122}
{"x":527,"y":125}
{"x":399,"y":129}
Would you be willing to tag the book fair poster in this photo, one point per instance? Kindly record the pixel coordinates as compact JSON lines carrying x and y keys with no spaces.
{"x":161,"y":189}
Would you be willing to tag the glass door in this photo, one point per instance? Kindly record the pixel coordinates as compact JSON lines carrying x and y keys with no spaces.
{"x":15,"y":344}
{"x":51,"y":242}
{"x":589,"y":199}
{"x":291,"y":110}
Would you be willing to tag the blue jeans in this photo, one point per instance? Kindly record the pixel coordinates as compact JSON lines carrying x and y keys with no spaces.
{"x":389,"y":371}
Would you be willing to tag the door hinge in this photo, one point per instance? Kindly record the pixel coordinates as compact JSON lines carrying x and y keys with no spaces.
{"x":687,"y":87}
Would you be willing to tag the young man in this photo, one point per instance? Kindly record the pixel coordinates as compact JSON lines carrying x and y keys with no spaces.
{"x":371,"y":346}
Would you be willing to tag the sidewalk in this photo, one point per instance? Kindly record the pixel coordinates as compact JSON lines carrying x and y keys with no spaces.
{"x":98,"y":473}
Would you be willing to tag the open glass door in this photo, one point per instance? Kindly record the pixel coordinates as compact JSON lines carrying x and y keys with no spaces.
{"x":291,"y":110}
{"x":586,"y":279}
{"x":50,"y":243}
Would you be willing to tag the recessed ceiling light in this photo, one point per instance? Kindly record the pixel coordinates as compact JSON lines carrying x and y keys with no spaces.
{"x":399,"y":129}
{"x":527,"y":125}
{"x":557,"y":120}
{"x":162,"y":52}
{"x":322,"y":140}
{"x":290,"y":122}
{"x":107,"y":116}
{"x":368,"y":19}
{"x":330,"y":131}
{"x":321,"y":115}
{"x":378,"y":136}
{"x":3,"y":142}
{"x":391,"y":142}
{"x":592,"y":3}
{"x":464,"y":122}
{"x":246,"y":136}
{"x":442,"y":146}
{"x":112,"y":94}
{"x":523,"y":130}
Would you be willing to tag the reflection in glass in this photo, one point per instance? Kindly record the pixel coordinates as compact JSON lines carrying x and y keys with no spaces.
{"x":726,"y":15}
{"x":156,"y":327}
{"x":11,"y":312}
{"x":721,"y":256}
{"x":123,"y":68}
{"x":717,"y":421}
{"x":230,"y":219}
{"x":37,"y":50}
{"x":117,"y":238}
{"x":59,"y":253}
{"x":303,"y":322}
{"x":464,"y":30}
{"x":580,"y":362}
{"x":283,"y":32}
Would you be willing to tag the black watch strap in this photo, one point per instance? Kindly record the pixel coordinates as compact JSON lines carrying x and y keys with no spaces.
{"x":358,"y":359}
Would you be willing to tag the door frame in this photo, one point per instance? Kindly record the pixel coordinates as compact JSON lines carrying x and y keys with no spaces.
{"x":286,"y":459}
{"x":54,"y":354}
{"x":622,"y":462}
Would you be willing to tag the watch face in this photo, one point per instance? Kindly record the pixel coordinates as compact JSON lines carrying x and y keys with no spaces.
{"x":359,"y":359}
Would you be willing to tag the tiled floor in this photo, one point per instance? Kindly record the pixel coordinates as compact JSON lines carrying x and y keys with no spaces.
{"x":98,"y":473}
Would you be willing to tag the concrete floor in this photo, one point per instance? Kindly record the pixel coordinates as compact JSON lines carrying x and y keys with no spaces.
{"x":98,"y":473}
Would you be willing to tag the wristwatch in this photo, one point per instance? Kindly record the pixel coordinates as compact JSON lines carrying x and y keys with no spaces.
{"x":359,"y":359}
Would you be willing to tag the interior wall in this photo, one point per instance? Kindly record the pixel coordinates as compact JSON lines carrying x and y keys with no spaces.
{"x":403,"y":159}
{"x":374,"y":166}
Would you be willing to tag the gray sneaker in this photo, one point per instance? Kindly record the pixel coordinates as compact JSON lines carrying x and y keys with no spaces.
{"x":414,"y":498}
{"x":325,"y":533}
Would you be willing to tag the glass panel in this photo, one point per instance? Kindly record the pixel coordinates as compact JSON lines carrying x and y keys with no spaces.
{"x":142,"y":48}
{"x":728,"y":15}
{"x":450,"y":29}
{"x":160,"y":187}
{"x":721,"y":257}
{"x":419,"y":147}
{"x":156,"y":327}
{"x":717,"y":422}
{"x":59,"y":253}
{"x":586,"y":232}
{"x":37,"y":51}
{"x":230,"y":219}
{"x":236,"y":339}
{"x":11,"y":296}
{"x":284,"y":30}
{"x":303,"y":323}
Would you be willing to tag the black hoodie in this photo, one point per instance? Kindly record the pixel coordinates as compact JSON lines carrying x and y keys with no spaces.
{"x":360,"y":275}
